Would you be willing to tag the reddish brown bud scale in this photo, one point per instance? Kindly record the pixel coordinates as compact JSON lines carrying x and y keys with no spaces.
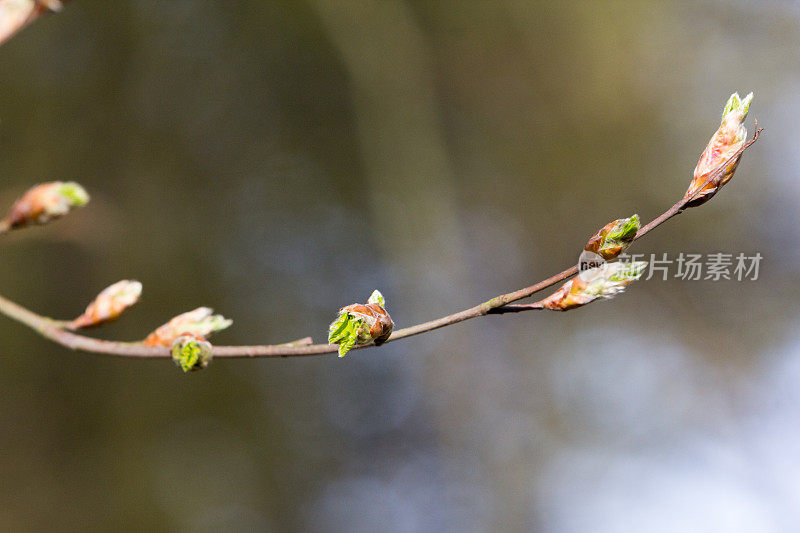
{"x":45,"y":202}
{"x":597,"y":240}
{"x":594,"y":242}
{"x":567,"y":297}
{"x":721,"y":156}
{"x":613,"y":238}
{"x":374,"y":314}
{"x":109,"y":304}
{"x":30,"y":206}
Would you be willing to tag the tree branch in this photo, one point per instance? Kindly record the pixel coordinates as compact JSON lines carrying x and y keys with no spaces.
{"x":54,"y":329}
{"x":675,"y":210}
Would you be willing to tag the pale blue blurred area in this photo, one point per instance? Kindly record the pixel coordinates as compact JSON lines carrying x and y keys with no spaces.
{"x":278,"y":160}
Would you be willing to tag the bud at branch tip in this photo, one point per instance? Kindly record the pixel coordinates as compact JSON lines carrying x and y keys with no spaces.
{"x":46,"y":202}
{"x":719,"y":160}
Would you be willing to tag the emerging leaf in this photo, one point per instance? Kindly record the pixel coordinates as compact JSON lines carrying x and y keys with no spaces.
{"x":348,"y":331}
{"x":614,"y":238}
{"x":377,"y":298}
{"x":360,"y":324}
{"x":191,"y":352}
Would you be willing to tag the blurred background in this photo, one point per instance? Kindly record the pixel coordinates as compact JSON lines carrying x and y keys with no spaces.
{"x":278,"y":160}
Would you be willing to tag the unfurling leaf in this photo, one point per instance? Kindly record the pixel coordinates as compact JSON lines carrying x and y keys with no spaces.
{"x":377,"y":298}
{"x":360,"y":324}
{"x":613,"y":238}
{"x":603,"y":282}
{"x":719,"y":160}
{"x":46,"y":202}
{"x":191,"y":352}
{"x":109,"y":304}
{"x":201,"y":322}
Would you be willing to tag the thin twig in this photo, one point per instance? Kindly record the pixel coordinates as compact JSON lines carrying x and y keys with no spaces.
{"x":53,"y":329}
